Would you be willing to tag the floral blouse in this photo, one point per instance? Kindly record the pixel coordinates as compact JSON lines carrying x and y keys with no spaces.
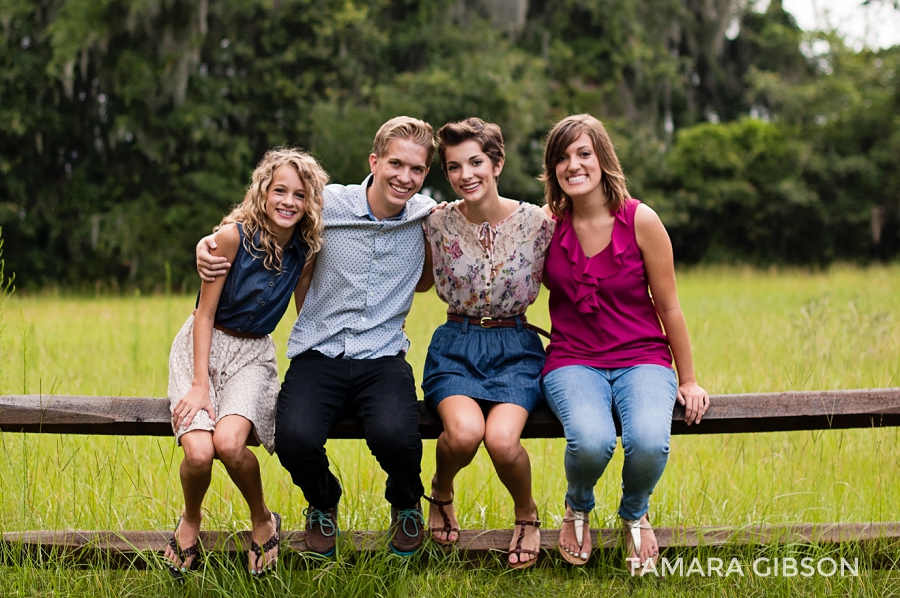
{"x":496,"y":281}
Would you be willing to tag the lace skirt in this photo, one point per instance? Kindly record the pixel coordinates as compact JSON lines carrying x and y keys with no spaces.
{"x":243,"y":380}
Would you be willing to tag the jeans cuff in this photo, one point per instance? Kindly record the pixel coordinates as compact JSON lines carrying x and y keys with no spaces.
{"x":582,"y":504}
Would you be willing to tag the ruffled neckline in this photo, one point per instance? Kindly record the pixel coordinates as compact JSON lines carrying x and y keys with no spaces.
{"x":484,"y":232}
{"x":589,"y":271}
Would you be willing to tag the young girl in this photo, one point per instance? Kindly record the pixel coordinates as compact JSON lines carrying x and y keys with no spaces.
{"x":223,"y":376}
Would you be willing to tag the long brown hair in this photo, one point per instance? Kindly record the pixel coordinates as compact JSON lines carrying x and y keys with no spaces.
{"x":561,"y":136}
{"x":251,"y":212}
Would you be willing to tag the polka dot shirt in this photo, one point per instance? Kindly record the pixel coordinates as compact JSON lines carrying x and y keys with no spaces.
{"x":365,"y":277}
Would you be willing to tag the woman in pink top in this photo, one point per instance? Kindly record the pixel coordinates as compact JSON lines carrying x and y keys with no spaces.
{"x":609,"y":358}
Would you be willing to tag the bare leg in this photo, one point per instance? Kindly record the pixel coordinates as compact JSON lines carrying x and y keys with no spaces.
{"x":230,"y":440}
{"x":502,"y":439}
{"x":456,"y":447}
{"x":196,"y":471}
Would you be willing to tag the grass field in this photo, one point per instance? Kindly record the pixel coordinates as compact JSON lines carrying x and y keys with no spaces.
{"x":751,"y":330}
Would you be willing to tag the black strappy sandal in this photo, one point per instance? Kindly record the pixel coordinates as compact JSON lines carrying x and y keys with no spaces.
{"x":268,"y":545}
{"x":447,"y":529}
{"x":191,"y":552}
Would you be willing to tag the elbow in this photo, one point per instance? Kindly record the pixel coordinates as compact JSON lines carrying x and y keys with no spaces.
{"x":669,"y":313}
{"x":669,"y":310}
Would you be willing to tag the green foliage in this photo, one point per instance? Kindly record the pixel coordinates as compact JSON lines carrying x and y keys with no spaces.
{"x":739,"y":187}
{"x":502,"y":84}
{"x":128,"y":127}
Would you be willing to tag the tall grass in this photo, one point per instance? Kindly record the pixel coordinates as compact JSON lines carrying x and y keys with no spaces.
{"x":751,"y":331}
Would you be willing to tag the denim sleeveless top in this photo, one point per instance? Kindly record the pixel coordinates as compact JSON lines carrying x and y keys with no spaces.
{"x":254,"y":298}
{"x":600,"y":307}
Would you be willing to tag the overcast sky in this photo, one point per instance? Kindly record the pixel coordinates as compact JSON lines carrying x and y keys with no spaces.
{"x":877,"y":26}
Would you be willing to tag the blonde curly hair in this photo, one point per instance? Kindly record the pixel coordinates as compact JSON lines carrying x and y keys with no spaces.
{"x":251,"y":212}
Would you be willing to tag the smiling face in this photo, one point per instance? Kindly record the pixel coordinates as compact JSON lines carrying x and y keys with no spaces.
{"x":578,"y":169}
{"x":285,"y":201}
{"x":471,"y":173}
{"x":396,"y":177}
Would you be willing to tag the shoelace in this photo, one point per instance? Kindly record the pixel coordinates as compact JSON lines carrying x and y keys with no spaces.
{"x":406,"y":515}
{"x":322,"y":518}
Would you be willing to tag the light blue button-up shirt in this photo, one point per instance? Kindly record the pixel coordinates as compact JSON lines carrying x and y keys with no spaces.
{"x":365,"y":277}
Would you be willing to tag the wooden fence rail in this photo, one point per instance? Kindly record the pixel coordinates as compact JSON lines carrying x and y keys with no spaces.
{"x":728,"y":414}
{"x":140,"y":548}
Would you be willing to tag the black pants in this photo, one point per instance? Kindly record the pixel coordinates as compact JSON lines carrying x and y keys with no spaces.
{"x":318,"y":390}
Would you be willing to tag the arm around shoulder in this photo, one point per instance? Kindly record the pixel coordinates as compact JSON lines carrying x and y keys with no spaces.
{"x":211,"y":264}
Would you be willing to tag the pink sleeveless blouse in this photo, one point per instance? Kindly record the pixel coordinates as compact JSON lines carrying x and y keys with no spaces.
{"x":600,"y":307}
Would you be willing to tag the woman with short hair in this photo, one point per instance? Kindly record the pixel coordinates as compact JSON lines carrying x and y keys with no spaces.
{"x":482,"y":372}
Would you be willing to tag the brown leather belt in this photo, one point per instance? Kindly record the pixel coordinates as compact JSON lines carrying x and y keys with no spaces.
{"x":230,"y":332}
{"x":509,"y":322}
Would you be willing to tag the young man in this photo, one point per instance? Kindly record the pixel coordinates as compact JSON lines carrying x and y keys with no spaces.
{"x":348,"y":347}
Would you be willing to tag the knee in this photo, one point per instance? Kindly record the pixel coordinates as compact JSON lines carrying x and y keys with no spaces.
{"x":393,"y":439}
{"x":293,"y":444}
{"x":463,"y":438}
{"x":590,"y":447}
{"x":504,"y":447}
{"x":646,"y":448}
{"x":198,"y":459}
{"x":229,"y":448}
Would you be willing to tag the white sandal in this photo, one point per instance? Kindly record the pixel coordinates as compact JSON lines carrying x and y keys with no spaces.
{"x":634,"y":527}
{"x":579,"y":519}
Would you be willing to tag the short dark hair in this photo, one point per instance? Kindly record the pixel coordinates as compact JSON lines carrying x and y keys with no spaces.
{"x":488,"y":135}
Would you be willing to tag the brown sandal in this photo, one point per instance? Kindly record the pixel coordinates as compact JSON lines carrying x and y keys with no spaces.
{"x":518,"y":550}
{"x":447,"y":529}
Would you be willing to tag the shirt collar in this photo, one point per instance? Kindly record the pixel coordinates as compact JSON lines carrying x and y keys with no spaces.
{"x":367,"y":213}
{"x":296,"y":241}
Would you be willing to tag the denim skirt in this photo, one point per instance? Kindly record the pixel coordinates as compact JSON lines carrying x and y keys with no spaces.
{"x":502,"y":365}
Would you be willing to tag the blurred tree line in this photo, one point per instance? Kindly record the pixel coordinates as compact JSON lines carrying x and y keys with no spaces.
{"x":128,"y":127}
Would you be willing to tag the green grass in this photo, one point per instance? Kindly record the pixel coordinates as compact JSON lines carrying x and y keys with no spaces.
{"x":751,"y":330}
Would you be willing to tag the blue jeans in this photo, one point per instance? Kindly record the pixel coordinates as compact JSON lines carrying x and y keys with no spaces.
{"x":586,"y":399}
